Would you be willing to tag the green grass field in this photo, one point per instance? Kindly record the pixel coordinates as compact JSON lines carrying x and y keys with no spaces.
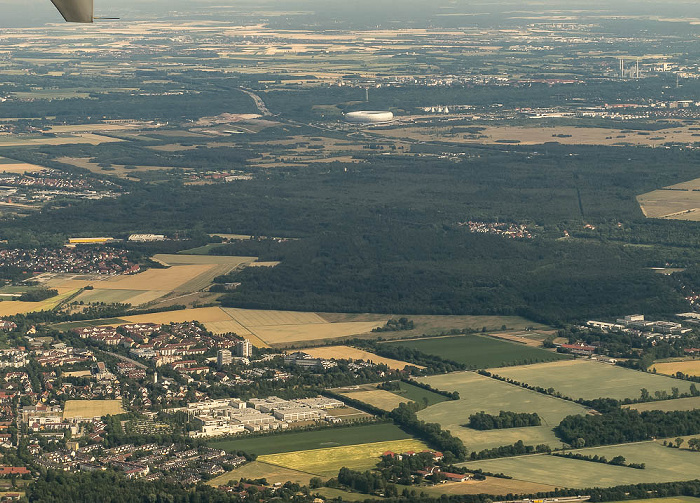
{"x":478,"y":393}
{"x":479,"y":352}
{"x":319,"y":439}
{"x":662,"y":465}
{"x":589,"y":380}
{"x":419,"y":395}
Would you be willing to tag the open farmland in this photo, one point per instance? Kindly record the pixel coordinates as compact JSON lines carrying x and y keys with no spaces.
{"x":524,"y":135}
{"x":17,"y":167}
{"x":478,"y":351}
{"x":350,"y":353}
{"x":91,"y":408}
{"x":438,"y":324}
{"x":492,"y":485}
{"x":382,"y":399}
{"x":133,"y":297}
{"x":327,"y":462}
{"x":203,"y":315}
{"x":662,"y":465}
{"x":690,"y":403}
{"x":285,"y":335}
{"x":418,"y":394}
{"x":478,"y":393}
{"x":66,"y":139}
{"x":184,"y":274}
{"x":119,"y":170}
{"x":12,"y":307}
{"x":217,"y":266}
{"x":590,"y":380}
{"x":317,"y":439}
{"x":260,"y":470}
{"x":262,"y":318}
{"x":689,"y":367}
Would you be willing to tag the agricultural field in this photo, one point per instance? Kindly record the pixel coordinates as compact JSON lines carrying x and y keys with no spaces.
{"x":478,"y":393}
{"x":17,"y":167}
{"x":478,"y":351}
{"x":202,"y":314}
{"x":369,"y":394}
{"x":260,"y":470}
{"x":419,"y":395}
{"x":77,"y":373}
{"x":350,"y":353}
{"x":118,"y":170}
{"x":671,"y":204}
{"x":589,"y":380}
{"x":317,"y":439}
{"x":133,"y":297}
{"x":12,"y":307}
{"x":67,"y":139}
{"x":689,"y":367}
{"x":492,"y":485}
{"x":327,"y":462}
{"x":690,"y":403}
{"x":348,"y":414}
{"x":662,"y":465}
{"x":184,"y":274}
{"x":91,"y":408}
{"x":262,"y":318}
{"x":440,"y":324}
{"x":286,"y":335}
{"x":674,"y":499}
{"x":523,"y":135}
{"x":217,"y":266}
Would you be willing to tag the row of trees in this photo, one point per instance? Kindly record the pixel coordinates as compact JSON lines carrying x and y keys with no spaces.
{"x":504,"y":419}
{"x":616,"y":461}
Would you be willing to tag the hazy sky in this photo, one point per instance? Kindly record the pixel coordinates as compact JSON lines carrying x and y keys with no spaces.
{"x":39,"y":12}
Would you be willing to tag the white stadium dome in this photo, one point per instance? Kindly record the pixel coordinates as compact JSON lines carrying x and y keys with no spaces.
{"x":369,"y":117}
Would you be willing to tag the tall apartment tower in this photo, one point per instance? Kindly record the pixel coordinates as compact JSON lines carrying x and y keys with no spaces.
{"x":223,"y":357}
{"x":244,"y":348}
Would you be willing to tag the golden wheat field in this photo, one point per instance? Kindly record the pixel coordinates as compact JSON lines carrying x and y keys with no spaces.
{"x":689,"y":367}
{"x":227,"y":326}
{"x":379,"y":398}
{"x":288,"y":334}
{"x":18,"y":167}
{"x":156,"y":279}
{"x":203,"y":315}
{"x":262,"y":318}
{"x":91,"y":408}
{"x":350,"y":353}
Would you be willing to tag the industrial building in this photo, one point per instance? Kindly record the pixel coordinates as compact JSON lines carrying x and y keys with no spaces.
{"x":369,"y":117}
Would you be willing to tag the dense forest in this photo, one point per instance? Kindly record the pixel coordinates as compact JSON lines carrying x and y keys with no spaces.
{"x":627,"y":425}
{"x":383,"y":236}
